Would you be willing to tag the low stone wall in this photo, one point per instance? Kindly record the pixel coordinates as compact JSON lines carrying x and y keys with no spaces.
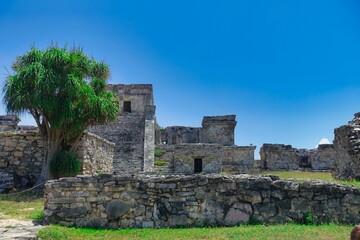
{"x":139,"y":201}
{"x":22,"y":153}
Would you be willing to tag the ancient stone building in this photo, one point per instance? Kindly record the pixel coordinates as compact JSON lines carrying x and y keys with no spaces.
{"x":285,"y":157}
{"x":347,"y":148}
{"x":215,"y":129}
{"x":8,"y":123}
{"x":134,"y":130}
{"x":209,"y":149}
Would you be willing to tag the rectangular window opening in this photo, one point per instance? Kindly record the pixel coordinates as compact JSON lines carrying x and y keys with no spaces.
{"x":198,"y":165}
{"x":127,"y":106}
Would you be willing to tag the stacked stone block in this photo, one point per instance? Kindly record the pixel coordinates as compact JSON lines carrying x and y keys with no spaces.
{"x":285,"y":157}
{"x":140,"y":201}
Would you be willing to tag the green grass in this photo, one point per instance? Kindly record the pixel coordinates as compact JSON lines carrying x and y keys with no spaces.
{"x":325,"y":176}
{"x":159,"y":152}
{"x":28,"y":205}
{"x":160,"y":162}
{"x":276,"y":232}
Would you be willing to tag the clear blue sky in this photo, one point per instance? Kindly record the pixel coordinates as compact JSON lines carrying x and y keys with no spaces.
{"x":289,"y":70}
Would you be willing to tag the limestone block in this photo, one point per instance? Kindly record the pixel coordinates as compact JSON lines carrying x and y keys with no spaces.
{"x":117,"y":209}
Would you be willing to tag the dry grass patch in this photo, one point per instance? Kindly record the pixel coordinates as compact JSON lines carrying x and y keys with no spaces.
{"x":28,"y":205}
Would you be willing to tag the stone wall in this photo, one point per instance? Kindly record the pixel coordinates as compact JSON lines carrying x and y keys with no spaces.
{"x":211,"y":156}
{"x":323,"y":158}
{"x":178,"y":135}
{"x":285,"y":157}
{"x":279,"y":157}
{"x":230,"y":159}
{"x":128,"y":131}
{"x":21,"y":154}
{"x":218,"y":129}
{"x":215,"y":129}
{"x":140,"y":201}
{"x":8,"y":122}
{"x":96,"y":154}
{"x":347,"y":148}
{"x":239,"y":159}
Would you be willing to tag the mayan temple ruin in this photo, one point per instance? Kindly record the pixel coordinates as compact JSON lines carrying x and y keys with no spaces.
{"x":135,"y":143}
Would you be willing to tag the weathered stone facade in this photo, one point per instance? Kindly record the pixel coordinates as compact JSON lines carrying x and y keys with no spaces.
{"x":96,"y":154}
{"x":209,"y":149}
{"x":22,"y":153}
{"x":139,"y":201}
{"x":218,"y":129}
{"x":215,"y":129}
{"x":8,"y":122}
{"x":134,"y":130}
{"x":285,"y":157}
{"x":347,"y":148}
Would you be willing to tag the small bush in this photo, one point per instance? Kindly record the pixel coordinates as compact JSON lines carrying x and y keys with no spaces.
{"x":308,"y":219}
{"x":160,"y":163}
{"x":159,"y":152}
{"x":64,"y":164}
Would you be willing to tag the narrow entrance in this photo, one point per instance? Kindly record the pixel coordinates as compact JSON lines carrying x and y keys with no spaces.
{"x":127,"y":106}
{"x":198,"y":165}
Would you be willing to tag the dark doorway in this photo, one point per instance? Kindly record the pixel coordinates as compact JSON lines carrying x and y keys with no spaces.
{"x":198,"y":165}
{"x":127,"y":106}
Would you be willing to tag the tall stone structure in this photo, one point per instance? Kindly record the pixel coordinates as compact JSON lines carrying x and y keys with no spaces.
{"x":218,"y":129}
{"x":134,"y":130}
{"x":347,"y":149}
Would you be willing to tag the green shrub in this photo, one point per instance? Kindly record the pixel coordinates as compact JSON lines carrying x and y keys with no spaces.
{"x":160,"y":163}
{"x":308,"y":219}
{"x":64,"y":164}
{"x":159,"y":152}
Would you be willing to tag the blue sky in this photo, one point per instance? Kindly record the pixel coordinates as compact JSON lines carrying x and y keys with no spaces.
{"x":289,"y":69}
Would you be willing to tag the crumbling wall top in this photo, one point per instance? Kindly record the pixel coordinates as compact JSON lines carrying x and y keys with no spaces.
{"x":8,"y":122}
{"x":219,"y":119}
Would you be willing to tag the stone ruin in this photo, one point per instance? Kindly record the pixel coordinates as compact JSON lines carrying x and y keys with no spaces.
{"x":133,"y":132}
{"x":209,"y":149}
{"x":285,"y":157}
{"x":128,"y":146}
{"x":8,"y":123}
{"x":347,"y":150}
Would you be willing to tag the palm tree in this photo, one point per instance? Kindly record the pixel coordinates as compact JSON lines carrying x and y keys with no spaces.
{"x":65,"y":91}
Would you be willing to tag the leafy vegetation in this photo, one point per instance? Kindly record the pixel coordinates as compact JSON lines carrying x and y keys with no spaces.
{"x":159,"y":152}
{"x":64,"y":163}
{"x":160,"y":162}
{"x":244,"y":232}
{"x":65,"y":91}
